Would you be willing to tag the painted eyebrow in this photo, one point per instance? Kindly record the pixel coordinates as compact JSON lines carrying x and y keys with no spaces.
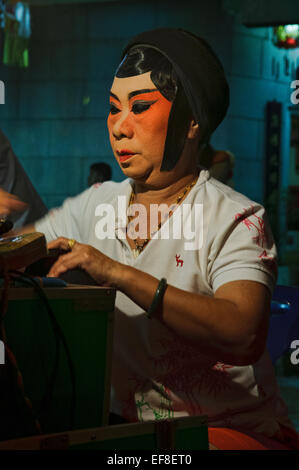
{"x":134,"y":93}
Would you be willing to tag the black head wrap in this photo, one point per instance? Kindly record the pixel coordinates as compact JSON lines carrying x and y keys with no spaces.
{"x":202,"y":78}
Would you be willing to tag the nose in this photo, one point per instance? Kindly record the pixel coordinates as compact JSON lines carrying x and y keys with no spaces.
{"x":123,"y":127}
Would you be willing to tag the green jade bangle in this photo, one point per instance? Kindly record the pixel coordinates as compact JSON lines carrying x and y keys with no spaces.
{"x":157,"y":297}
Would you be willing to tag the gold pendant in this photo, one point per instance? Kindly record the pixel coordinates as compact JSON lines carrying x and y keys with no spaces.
{"x":135,"y":253}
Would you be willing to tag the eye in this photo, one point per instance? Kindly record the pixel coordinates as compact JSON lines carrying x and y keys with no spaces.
{"x":141,"y":106}
{"x":113,"y":109}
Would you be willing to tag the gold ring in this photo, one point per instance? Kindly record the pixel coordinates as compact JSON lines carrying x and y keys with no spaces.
{"x":71,"y":242}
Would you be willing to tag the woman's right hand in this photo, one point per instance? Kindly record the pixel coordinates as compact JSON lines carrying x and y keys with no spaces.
{"x":104,"y":270}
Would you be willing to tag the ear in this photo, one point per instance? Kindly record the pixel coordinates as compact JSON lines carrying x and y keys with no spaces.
{"x":193,"y":130}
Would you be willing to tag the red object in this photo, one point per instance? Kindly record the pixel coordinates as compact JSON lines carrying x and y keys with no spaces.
{"x":289,"y":43}
{"x":125,"y":154}
{"x":231,"y":439}
{"x":123,"y":158}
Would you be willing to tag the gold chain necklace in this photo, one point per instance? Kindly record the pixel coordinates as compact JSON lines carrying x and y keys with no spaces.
{"x":139,"y":246}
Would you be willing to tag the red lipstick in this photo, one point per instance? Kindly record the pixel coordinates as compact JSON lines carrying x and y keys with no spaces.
{"x":124,"y":154}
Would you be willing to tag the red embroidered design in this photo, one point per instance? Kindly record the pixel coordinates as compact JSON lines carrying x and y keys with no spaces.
{"x":178,"y":386}
{"x":179,"y":262}
{"x":221,"y":367}
{"x":269,"y":260}
{"x":255,"y":222}
{"x":262,"y":239}
{"x":52,"y":212}
{"x":136,"y":404}
{"x":188,"y":381}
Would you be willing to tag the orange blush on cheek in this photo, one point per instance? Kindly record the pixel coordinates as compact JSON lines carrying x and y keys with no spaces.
{"x":112,"y":118}
{"x":155,"y":119}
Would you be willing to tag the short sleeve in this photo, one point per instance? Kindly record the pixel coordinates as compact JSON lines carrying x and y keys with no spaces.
{"x":68,"y":220}
{"x":244,"y":249}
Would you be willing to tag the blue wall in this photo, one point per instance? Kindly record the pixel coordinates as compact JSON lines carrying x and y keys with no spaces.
{"x":258,"y":74}
{"x":55,"y":111}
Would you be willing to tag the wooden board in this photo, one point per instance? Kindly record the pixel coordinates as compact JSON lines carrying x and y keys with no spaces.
{"x":187,"y":433}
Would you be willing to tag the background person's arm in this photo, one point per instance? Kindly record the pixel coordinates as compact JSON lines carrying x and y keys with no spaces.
{"x":15,"y":181}
{"x":10,"y":203}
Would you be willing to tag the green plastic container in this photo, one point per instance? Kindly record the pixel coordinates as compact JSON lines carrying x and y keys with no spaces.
{"x":85,"y":316}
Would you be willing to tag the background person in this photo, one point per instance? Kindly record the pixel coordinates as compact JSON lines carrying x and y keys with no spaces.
{"x":10,"y":203}
{"x":220,"y":163}
{"x":99,"y":172}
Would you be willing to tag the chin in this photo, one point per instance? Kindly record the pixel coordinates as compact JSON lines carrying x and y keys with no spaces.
{"x":132,"y":171}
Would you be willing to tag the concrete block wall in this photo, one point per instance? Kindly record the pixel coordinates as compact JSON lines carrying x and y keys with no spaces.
{"x":258,"y":74}
{"x":55,"y":112}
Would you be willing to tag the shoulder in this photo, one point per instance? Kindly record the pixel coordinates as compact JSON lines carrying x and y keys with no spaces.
{"x":216,"y":195}
{"x":231,"y":208}
{"x":229,"y":214}
{"x":84,"y":204}
{"x":239,"y":241}
{"x":109,"y":190}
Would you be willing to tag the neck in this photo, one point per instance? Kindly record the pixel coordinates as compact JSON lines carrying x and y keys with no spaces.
{"x":164,"y":191}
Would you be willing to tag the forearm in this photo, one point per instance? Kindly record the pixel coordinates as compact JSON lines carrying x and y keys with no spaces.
{"x":229,"y":327}
{"x":215,"y":325}
{"x":20,"y":231}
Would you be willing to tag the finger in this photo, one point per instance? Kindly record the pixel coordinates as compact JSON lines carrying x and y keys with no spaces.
{"x":59,"y":262}
{"x":61,"y":243}
{"x":64,"y":263}
{"x":7,"y":196}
